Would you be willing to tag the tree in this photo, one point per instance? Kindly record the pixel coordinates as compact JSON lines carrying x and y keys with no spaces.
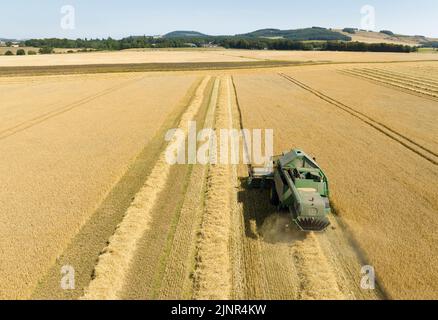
{"x":8,"y":43}
{"x":46,"y":50}
{"x":9,"y":53}
{"x":31,"y":53}
{"x":349,"y":30}
{"x":21,"y":52}
{"x":387,"y":32}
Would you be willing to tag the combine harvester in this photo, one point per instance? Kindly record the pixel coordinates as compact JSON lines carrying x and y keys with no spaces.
{"x":298,"y":184}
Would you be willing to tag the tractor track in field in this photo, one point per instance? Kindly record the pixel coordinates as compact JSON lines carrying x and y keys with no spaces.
{"x":403,"y":81}
{"x":113,"y":265}
{"x":418,"y":88}
{"x":402,"y":76}
{"x":405,"y":89}
{"x":8,"y":132}
{"x":405,"y":141}
{"x":411,"y":76}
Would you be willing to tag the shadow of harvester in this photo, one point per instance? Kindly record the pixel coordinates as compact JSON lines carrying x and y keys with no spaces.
{"x":263,"y":220}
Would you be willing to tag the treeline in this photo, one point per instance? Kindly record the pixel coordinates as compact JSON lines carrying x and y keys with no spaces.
{"x":226,"y":42}
{"x":266,"y":44}
{"x":316,"y":45}
{"x":113,"y":44}
{"x":430,"y":44}
{"x":368,"y":47}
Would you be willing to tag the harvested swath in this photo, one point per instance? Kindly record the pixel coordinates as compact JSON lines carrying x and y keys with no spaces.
{"x":177,"y":282}
{"x":317,"y":278}
{"x":400,"y":80}
{"x":113,"y":264}
{"x":403,"y":76}
{"x":427,"y":71}
{"x":397,"y":84}
{"x":213,"y":267}
{"x":397,"y":80}
{"x":163,"y":262}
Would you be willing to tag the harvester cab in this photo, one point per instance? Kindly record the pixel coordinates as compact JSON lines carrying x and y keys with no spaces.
{"x":297,"y":183}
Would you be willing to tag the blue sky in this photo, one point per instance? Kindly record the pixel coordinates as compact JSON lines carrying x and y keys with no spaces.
{"x":103,"y":18}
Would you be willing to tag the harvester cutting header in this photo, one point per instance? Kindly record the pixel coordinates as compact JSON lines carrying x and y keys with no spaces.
{"x":298,"y":184}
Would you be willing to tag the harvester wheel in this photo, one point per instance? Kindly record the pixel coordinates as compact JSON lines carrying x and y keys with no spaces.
{"x":273,"y":196}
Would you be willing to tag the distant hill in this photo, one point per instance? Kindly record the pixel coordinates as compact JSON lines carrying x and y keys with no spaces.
{"x":384,"y":36}
{"x":314,"y":33}
{"x":265,"y":33}
{"x":185,"y":34}
{"x":5,"y":40}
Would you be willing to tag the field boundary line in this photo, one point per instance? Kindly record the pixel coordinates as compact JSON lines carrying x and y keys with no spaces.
{"x":20,"y":71}
{"x":113,"y":264}
{"x":391,"y":133}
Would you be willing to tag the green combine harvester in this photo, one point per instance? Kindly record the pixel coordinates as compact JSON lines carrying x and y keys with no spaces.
{"x":298,"y":184}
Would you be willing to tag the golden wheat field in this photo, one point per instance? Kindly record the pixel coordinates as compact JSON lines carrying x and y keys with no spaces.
{"x":204,"y":55}
{"x":86,"y":184}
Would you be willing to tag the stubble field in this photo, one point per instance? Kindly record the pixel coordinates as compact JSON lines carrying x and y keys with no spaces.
{"x":85,"y":184}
